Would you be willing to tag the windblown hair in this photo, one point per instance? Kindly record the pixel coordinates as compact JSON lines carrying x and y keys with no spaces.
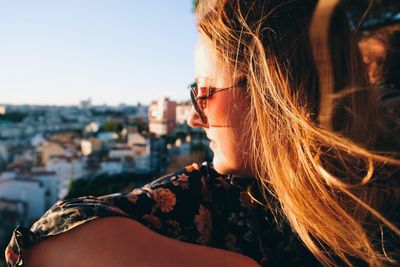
{"x":314,"y":121}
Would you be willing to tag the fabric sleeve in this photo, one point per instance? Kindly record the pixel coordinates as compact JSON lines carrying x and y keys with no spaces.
{"x":172,"y":205}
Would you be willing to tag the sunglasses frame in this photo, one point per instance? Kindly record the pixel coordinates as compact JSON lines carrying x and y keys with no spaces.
{"x":205,"y":93}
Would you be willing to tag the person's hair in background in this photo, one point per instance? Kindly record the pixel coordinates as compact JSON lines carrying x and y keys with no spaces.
{"x":391,"y":68}
{"x":312,"y":121}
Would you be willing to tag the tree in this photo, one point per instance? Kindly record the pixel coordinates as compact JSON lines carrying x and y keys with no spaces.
{"x":105,"y":184}
{"x":112,"y":126}
{"x":13,"y":116}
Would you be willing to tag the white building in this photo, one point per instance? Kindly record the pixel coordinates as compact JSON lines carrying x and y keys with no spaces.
{"x":107,"y":137}
{"x":86,"y":147}
{"x":92,"y":127}
{"x":141,"y":147}
{"x":112,"y":166}
{"x":183,"y":112}
{"x":37,"y":140}
{"x":29,"y":191}
{"x":67,"y":169}
{"x":8,"y":175}
{"x":142,"y":163}
{"x":121,"y":152}
{"x":51,"y":185}
{"x":91,"y":145}
{"x":139,"y":143}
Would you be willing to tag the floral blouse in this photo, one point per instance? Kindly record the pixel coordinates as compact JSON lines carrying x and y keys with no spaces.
{"x":195,"y":205}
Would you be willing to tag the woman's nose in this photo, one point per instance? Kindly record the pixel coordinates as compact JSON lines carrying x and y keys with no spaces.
{"x":194,"y":119}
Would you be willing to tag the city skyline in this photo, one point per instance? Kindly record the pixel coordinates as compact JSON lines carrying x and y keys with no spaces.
{"x":59,"y":53}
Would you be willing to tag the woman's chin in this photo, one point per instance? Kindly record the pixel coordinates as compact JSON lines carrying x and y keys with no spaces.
{"x":222,"y":166}
{"x":219,"y":166}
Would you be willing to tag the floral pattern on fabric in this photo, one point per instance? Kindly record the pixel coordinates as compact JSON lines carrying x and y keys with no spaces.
{"x":195,"y":205}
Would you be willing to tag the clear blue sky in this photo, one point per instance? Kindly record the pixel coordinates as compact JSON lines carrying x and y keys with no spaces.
{"x":114,"y":51}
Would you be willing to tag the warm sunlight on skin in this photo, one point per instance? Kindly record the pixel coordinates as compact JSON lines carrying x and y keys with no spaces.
{"x":118,"y":242}
{"x":226,"y":112}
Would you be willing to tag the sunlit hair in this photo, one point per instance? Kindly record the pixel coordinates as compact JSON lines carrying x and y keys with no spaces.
{"x":314,"y":121}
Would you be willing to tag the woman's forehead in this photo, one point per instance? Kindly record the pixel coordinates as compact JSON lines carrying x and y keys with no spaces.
{"x":205,"y":61}
{"x":207,"y":67}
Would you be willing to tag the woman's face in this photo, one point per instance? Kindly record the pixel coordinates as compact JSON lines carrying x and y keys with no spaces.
{"x":225,"y":111}
{"x":374,"y":54}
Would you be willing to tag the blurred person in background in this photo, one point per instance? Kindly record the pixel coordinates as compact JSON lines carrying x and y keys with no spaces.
{"x":380,"y":51}
{"x":381,"y":54}
{"x":296,"y":179}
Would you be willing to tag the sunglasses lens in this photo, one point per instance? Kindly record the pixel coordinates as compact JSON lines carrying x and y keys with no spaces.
{"x":196,"y":106}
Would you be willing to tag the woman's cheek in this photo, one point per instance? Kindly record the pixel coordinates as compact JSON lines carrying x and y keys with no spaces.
{"x":226,"y":159}
{"x":219,"y":109}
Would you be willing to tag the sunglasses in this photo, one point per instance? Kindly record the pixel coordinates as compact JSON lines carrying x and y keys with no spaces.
{"x":199,"y":96}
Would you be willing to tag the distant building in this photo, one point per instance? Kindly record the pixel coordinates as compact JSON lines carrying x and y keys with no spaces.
{"x":142,"y":112}
{"x":183,"y":112}
{"x":28,"y":155}
{"x":37,"y":140}
{"x":27,"y":191}
{"x":92,"y":127}
{"x":51,"y":185}
{"x":11,"y":130}
{"x":107,"y":137}
{"x":67,"y":169}
{"x":3,"y":110}
{"x":162,"y":116}
{"x":138,"y":143}
{"x":142,"y":164}
{"x":121,"y":151}
{"x":54,"y":149}
{"x":8,"y":175}
{"x":88,"y":146}
{"x":111,"y":166}
{"x":86,"y":104}
{"x":3,"y":152}
{"x":141,"y":148}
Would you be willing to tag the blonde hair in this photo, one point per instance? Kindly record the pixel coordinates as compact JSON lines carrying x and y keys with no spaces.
{"x":313,"y":120}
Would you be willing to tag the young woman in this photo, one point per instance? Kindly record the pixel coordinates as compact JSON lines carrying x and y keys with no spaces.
{"x":294,"y":181}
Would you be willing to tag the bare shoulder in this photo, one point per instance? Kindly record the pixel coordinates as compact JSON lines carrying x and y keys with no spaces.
{"x":118,"y":241}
